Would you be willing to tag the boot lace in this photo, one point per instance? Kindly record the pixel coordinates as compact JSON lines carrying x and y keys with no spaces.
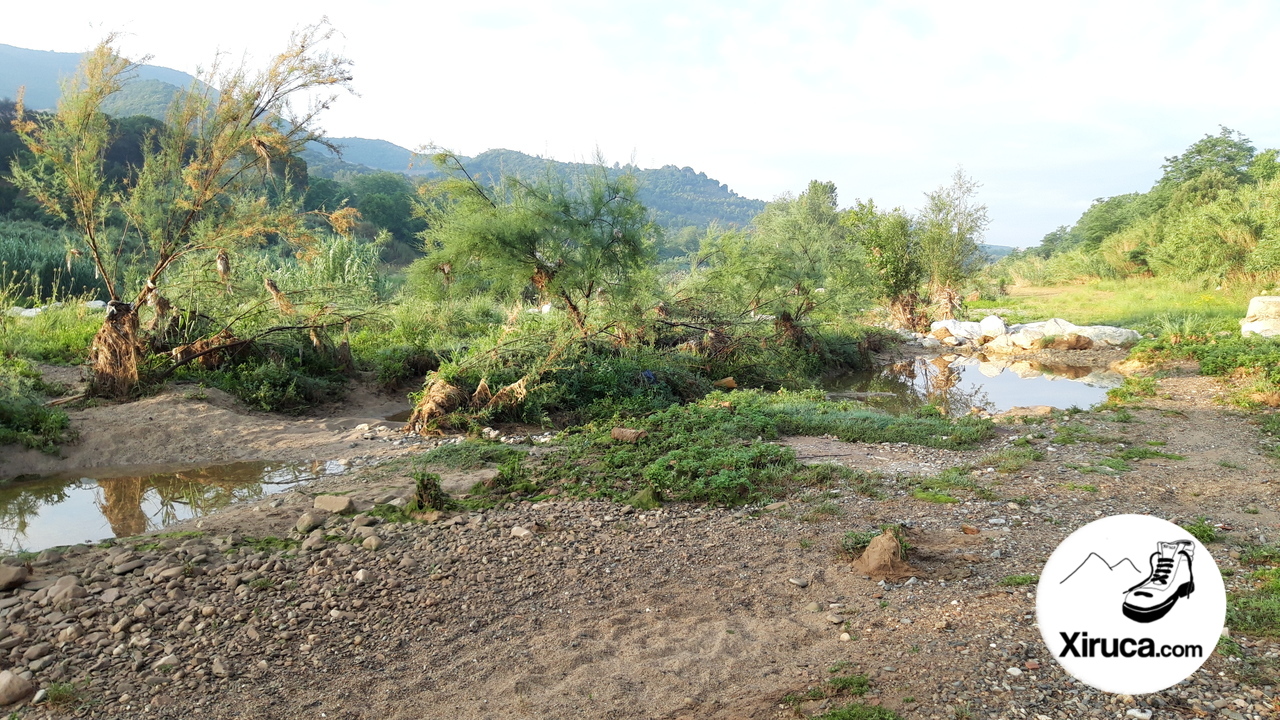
{"x":1164,"y":567}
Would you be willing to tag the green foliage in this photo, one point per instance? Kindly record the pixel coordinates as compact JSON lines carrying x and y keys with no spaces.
{"x":937,"y":487}
{"x":59,"y":335}
{"x":1256,"y":611}
{"x":563,"y":241}
{"x":851,"y":684}
{"x":37,"y":266}
{"x":24,"y":417}
{"x":427,"y":493}
{"x":951,"y":225}
{"x":933,"y":496}
{"x":855,"y":541}
{"x":286,"y":384}
{"x":1229,"y":152}
{"x":1202,"y":530}
{"x":1133,"y":388}
{"x":1019,"y":580}
{"x":468,"y":455}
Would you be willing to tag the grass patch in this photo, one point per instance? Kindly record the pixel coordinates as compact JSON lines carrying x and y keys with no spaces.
{"x":1133,"y":388}
{"x":858,"y":711}
{"x":1011,"y":460}
{"x":468,"y":455}
{"x":1144,"y":453}
{"x":851,"y":684}
{"x":956,"y":478}
{"x":1081,"y":486}
{"x":1202,"y":530}
{"x":1072,"y":433}
{"x":64,"y":694}
{"x":718,"y":449}
{"x":933,"y":496}
{"x":1019,"y":580}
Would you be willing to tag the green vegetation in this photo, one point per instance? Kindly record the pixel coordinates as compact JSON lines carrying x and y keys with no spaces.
{"x":1019,"y":580}
{"x":1202,"y":530}
{"x":24,"y":417}
{"x":468,"y":455}
{"x":856,"y":541}
{"x":1011,"y":460}
{"x":1079,"y":486}
{"x":851,"y":684}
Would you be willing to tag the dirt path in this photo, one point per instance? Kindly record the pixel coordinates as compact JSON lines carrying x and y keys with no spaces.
{"x":682,"y":612}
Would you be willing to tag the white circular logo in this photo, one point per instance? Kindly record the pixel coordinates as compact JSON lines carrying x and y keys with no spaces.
{"x":1131,"y":604}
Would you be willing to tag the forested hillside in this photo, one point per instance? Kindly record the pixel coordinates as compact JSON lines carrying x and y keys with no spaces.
{"x":1214,"y":213}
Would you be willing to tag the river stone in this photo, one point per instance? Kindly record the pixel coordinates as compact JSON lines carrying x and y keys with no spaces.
{"x":1262,"y":317}
{"x":13,"y":688}
{"x":334,"y":504}
{"x":11,"y":577}
{"x":307,"y":522}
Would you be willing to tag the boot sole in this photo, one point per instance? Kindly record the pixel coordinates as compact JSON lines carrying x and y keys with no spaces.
{"x":1152,"y":614}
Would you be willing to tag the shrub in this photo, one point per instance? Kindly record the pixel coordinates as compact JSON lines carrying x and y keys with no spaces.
{"x":24,"y":417}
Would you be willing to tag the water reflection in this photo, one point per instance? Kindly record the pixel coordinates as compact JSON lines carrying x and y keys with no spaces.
{"x":119,"y":502}
{"x":956,"y":384}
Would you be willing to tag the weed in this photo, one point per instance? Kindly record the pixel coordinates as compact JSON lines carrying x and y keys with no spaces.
{"x":1202,"y":530}
{"x":1134,"y":387}
{"x":840,"y":665}
{"x":24,"y":417}
{"x":884,"y":603}
{"x":63,"y":694}
{"x":852,"y":684}
{"x":1011,"y":460}
{"x":262,"y":583}
{"x":855,"y":541}
{"x":805,"y":543}
{"x":1252,"y":509}
{"x":956,"y":478}
{"x":1079,"y":486}
{"x":1020,"y":580}
{"x":1122,"y":416}
{"x":933,"y":497}
{"x":1157,"y":443}
{"x":908,"y":700}
{"x":1072,"y":433}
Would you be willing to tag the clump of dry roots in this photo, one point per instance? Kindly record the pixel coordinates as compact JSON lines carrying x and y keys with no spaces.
{"x":116,"y":352}
{"x":441,"y":398}
{"x":209,"y":353}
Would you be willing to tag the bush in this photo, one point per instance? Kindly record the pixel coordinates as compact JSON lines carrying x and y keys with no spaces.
{"x":281,"y":385}
{"x":24,"y":417}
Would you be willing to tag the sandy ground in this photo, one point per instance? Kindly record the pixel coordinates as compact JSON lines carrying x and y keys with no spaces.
{"x":187,"y":425}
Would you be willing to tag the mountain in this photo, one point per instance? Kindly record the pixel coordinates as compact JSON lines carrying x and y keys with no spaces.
{"x":678,"y":196}
{"x":41,"y":73}
{"x":995,"y":252}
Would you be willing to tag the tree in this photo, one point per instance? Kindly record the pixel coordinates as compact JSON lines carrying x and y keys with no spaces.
{"x":202,"y":187}
{"x":951,"y":224}
{"x":891,"y":245}
{"x":570,"y":241}
{"x":1229,"y":152}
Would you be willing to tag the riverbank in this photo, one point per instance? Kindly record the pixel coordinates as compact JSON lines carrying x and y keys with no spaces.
{"x":686,"y":611}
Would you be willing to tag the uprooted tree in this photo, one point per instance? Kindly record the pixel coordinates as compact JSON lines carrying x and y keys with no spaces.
{"x":212,"y":179}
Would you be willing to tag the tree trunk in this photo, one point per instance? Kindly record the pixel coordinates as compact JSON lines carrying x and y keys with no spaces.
{"x":116,"y":353}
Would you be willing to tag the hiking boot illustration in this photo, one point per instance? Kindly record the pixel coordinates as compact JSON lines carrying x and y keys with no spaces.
{"x":1169,"y":580}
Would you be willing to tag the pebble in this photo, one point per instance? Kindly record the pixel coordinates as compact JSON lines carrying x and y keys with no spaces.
{"x":799,"y":582}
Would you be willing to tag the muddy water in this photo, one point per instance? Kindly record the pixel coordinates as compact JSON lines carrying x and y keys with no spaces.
{"x":103,"y":503}
{"x":960,"y":384}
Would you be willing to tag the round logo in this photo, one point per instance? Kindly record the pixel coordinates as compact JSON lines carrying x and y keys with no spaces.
{"x":1130,"y":604}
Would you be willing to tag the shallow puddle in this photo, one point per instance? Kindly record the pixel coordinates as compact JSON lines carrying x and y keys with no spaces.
{"x":100,"y":503}
{"x":963,"y":383}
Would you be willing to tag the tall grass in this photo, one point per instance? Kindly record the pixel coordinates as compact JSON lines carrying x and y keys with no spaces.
{"x":34,"y":262}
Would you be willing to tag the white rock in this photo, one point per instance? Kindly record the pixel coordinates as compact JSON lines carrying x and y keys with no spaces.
{"x":1263,"y":307}
{"x":95,"y":304}
{"x":364,"y":577}
{"x":929,"y":343}
{"x":373,"y":542}
{"x":334,"y":503}
{"x":1107,"y":335}
{"x":520,"y":533}
{"x":1262,"y":328}
{"x":1138,"y":713}
{"x":993,"y":326}
{"x":31,"y":312}
{"x":1014,"y":671}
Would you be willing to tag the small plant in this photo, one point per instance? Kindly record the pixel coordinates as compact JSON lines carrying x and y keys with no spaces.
{"x":1011,"y":460}
{"x":1202,"y":530}
{"x":1122,"y":416}
{"x":852,"y":684}
{"x":1228,"y":647}
{"x":856,"y":541}
{"x":1134,"y":387}
{"x":841,"y":665}
{"x":1142,"y":453}
{"x":825,"y":509}
{"x":262,"y":583}
{"x":1233,"y":466}
{"x":933,"y":497}
{"x":270,"y":544}
{"x":806,"y":543}
{"x":1020,"y":580}
{"x":1157,"y":443}
{"x":468,"y":455}
{"x":428,"y":495}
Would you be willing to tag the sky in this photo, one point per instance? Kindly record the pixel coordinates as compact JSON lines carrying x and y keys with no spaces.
{"x":1049,"y":106}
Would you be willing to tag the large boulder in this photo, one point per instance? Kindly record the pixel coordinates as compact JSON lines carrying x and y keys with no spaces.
{"x":992,"y":327}
{"x":1107,"y":335}
{"x":971,"y":331}
{"x":1262,"y":317}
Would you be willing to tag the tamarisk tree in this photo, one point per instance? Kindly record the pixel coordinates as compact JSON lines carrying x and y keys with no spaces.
{"x":210,"y":181}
